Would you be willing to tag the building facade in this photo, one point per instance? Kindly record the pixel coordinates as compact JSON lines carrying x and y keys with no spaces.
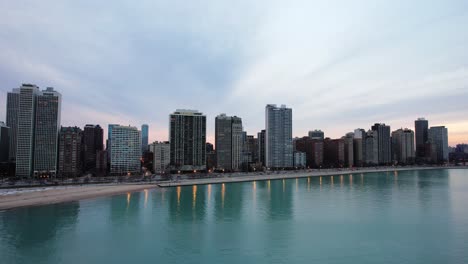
{"x":421,"y":128}
{"x":317,"y":134}
{"x":70,"y":152}
{"x":229,"y":142}
{"x":371,"y":147}
{"x":300,"y":159}
{"x":334,"y":152}
{"x":4,"y":142}
{"x":144,"y":138}
{"x":25,"y":130}
{"x":101,"y":163}
{"x":438,"y":140}
{"x":92,"y":144}
{"x":384,"y":143}
{"x":187,"y":132}
{"x":47,"y":128}
{"x":403,"y":146}
{"x":261,"y":147}
{"x":349,"y":149}
{"x":313,"y":148}
{"x":12,"y":112}
{"x":278,"y":137}
{"x":161,"y":156}
{"x":125,"y":150}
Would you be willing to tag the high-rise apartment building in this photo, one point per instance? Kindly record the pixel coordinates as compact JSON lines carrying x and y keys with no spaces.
{"x":317,"y":134}
{"x":144,"y":138}
{"x":371,"y":148}
{"x":228,"y":141}
{"x":403,"y":145}
{"x":438,"y":139}
{"x":46,"y":132}
{"x":384,"y":143}
{"x":313,"y":148}
{"x":12,"y":112}
{"x":25,"y":130}
{"x":278,"y":137}
{"x":261,"y":146}
{"x":70,"y":150}
{"x":4,"y":142}
{"x":334,"y":152}
{"x":125,"y":150}
{"x":359,"y":146}
{"x":187,"y":132}
{"x":92,"y":144}
{"x":348,"y":141}
{"x":421,"y":127}
{"x":161,"y":156}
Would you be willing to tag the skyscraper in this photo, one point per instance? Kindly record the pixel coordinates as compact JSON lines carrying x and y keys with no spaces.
{"x":12,"y":120}
{"x":438,"y":139}
{"x":70,"y":149}
{"x":261,"y":146}
{"x":25,"y":130}
{"x":187,"y":132}
{"x":421,"y":127}
{"x":359,"y":146}
{"x":403,"y":145}
{"x":144,"y":138}
{"x":125,"y":150}
{"x":317,"y":134}
{"x":348,"y":141}
{"x":4,"y":142}
{"x":371,"y":148}
{"x":47,"y":128}
{"x":92,"y":144}
{"x":278,"y":137}
{"x":228,"y":141}
{"x":384,"y":143}
{"x":161,"y":156}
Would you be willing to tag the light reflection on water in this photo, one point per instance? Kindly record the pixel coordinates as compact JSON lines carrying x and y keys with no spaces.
{"x":405,"y":217}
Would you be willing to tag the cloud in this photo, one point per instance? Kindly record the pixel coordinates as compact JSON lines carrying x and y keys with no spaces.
{"x":338,"y":64}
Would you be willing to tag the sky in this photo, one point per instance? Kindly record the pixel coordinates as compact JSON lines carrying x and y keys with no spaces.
{"x":339,"y":65}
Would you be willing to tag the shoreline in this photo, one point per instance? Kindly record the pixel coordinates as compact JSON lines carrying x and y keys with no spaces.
{"x":52,"y":195}
{"x":23,"y":197}
{"x":293,"y":175}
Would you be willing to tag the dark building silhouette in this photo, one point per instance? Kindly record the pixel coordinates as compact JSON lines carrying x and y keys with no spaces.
{"x":4,"y":142}
{"x":334,"y":154}
{"x":101,"y":163}
{"x":12,"y":120}
{"x":261,"y":146}
{"x":421,"y":128}
{"x":70,"y":152}
{"x":349,"y":149}
{"x":92,"y":144}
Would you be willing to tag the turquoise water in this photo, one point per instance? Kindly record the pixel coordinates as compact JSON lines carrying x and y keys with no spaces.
{"x":405,"y":217}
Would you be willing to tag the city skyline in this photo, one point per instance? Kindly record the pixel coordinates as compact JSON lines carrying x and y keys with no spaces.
{"x":340,"y":66}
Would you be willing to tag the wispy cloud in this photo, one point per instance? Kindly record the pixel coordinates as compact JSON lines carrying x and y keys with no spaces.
{"x":338,"y":64}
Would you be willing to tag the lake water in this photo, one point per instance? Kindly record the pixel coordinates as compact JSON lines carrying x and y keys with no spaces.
{"x":404,"y":217}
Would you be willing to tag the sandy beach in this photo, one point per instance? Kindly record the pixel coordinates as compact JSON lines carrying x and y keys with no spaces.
{"x":51,"y":195}
{"x":12,"y":198}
